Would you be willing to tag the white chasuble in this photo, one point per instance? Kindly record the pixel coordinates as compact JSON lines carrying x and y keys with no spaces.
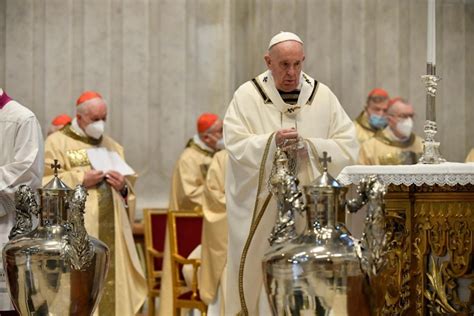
{"x":254,"y":114}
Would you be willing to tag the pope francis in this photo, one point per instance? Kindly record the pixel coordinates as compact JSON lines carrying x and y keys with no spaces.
{"x":110,"y":194}
{"x":281,"y":107}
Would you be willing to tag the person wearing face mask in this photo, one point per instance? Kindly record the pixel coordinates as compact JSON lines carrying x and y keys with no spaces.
{"x":396,"y":144}
{"x":187,"y":185}
{"x":190,"y":171}
{"x":372,"y":118}
{"x":110,"y":202}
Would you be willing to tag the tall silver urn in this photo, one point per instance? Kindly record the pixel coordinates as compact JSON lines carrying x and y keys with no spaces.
{"x":323,"y":270}
{"x":55,"y":268}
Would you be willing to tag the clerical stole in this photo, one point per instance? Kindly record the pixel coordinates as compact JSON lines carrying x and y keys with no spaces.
{"x":363,"y":129}
{"x":107,"y":235}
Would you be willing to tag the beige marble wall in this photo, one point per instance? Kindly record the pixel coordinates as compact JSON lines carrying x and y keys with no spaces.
{"x":160,"y":63}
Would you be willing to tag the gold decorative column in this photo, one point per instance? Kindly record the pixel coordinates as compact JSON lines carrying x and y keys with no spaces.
{"x":429,"y":261}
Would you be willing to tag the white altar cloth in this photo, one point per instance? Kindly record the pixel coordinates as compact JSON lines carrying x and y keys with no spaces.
{"x":448,"y":173}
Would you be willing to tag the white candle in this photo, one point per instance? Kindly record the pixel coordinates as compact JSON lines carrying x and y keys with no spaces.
{"x":431,"y":30}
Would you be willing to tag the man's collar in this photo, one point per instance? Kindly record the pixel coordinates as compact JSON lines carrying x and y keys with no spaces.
{"x":205,"y":150}
{"x":265,"y":85}
{"x":363,"y":120}
{"x":387,"y":136}
{"x":76,"y":128}
{"x":74,"y":131}
{"x":198,"y":141}
{"x":391,"y":135}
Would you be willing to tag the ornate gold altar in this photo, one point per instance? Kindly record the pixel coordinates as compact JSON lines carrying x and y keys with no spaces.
{"x":429,"y":264}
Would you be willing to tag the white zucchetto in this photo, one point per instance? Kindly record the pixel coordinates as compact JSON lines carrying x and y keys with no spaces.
{"x":284,"y":36}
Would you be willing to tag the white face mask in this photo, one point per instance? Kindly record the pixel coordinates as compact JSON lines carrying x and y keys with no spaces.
{"x":95,"y":129}
{"x":405,"y":127}
{"x":220,"y":144}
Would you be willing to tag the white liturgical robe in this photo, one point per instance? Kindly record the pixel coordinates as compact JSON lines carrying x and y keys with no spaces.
{"x":255,"y":112}
{"x":21,"y":162}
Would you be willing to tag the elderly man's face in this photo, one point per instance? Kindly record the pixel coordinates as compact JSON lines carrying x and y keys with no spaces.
{"x":213,"y":134}
{"x":285,"y":60}
{"x":399,"y":111}
{"x":377,"y":105}
{"x":96,"y":110}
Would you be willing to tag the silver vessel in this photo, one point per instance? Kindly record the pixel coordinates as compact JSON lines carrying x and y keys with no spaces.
{"x":55,"y":268}
{"x":323,"y":270}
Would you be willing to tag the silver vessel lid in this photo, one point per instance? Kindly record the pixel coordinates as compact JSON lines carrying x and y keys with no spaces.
{"x":280,"y":169}
{"x":325,"y":180}
{"x":56,"y":184}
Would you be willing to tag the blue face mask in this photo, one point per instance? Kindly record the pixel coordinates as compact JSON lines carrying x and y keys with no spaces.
{"x":377,"y":121}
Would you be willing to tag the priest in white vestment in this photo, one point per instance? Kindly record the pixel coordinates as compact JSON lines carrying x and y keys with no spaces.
{"x":280,"y":107}
{"x":21,"y":162}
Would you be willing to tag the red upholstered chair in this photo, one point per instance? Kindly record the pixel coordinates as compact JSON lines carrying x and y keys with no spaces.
{"x":155,"y":228}
{"x":185,"y":229}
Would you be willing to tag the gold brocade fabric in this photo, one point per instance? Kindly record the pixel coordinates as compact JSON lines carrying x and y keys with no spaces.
{"x":107,"y":235}
{"x":189,"y":176}
{"x":379,"y":150}
{"x":363,"y":129}
{"x":430,"y":252}
{"x":78,"y":157}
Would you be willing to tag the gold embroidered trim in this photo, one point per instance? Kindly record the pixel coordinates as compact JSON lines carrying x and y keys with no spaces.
{"x":256,"y":217}
{"x":265,"y":98}
{"x":193,"y":145}
{"x":68,"y":131}
{"x":78,"y":158}
{"x":291,"y":109}
{"x":401,"y":158}
{"x":204,"y":168}
{"x":106,"y":218}
{"x":253,"y":227}
{"x":364,"y":122}
{"x":315,"y":89}
{"x":380,"y":135}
